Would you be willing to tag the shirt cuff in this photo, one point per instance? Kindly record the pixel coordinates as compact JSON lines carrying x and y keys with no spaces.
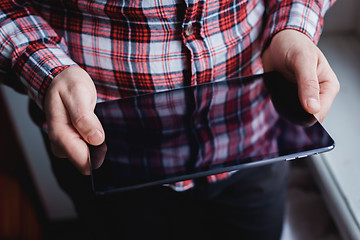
{"x":297,"y":15}
{"x":37,"y":65}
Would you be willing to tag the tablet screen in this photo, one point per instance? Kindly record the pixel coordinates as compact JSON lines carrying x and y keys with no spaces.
{"x":202,"y":130}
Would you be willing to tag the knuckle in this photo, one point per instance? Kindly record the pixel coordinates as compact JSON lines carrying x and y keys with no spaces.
{"x":337,"y":87}
{"x":56,"y":143}
{"x":311,"y":84}
{"x":57,"y":151}
{"x":81,"y":121}
{"x":59,"y":139}
{"x":55,"y":137}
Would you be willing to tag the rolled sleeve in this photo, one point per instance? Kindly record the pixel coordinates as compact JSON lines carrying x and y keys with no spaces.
{"x":30,"y":50}
{"x":305,"y":16}
{"x":38,"y":65}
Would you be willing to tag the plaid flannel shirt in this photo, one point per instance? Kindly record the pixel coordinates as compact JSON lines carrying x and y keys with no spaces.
{"x":139,"y":46}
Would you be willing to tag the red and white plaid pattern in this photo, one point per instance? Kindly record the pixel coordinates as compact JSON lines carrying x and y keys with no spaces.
{"x":132,"y":47}
{"x":178,"y":131}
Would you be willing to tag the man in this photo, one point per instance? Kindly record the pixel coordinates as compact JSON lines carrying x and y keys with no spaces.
{"x":68,"y":55}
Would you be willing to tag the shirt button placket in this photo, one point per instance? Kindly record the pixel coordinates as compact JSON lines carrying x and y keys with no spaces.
{"x":187,"y":34}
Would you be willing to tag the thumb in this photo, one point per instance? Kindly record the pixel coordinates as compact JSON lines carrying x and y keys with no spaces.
{"x":85,"y":121}
{"x":308,"y":84}
{"x":80,"y":101}
{"x":88,"y":126}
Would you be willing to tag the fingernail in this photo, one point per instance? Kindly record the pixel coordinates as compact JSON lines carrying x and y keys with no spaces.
{"x":313,"y":104}
{"x":95,"y":137}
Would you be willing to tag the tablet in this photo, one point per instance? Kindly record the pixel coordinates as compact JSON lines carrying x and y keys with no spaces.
{"x":206,"y":129}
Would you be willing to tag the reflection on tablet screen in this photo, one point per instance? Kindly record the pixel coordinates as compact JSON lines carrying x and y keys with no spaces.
{"x":202,"y":130}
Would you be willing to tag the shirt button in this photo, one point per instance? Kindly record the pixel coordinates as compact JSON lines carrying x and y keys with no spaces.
{"x":189,"y":30}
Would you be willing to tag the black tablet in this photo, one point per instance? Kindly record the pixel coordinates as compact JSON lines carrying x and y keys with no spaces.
{"x":195,"y":131}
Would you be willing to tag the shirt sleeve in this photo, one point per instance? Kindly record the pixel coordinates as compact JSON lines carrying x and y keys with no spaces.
{"x":31,"y":53}
{"x":305,"y":16}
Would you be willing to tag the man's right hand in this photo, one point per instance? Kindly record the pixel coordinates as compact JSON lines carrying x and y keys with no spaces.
{"x":69,"y":109}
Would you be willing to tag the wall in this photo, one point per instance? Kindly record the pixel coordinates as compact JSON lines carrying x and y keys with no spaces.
{"x":343,"y":18}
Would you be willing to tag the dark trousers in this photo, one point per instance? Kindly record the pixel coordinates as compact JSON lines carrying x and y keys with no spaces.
{"x":248,"y":205}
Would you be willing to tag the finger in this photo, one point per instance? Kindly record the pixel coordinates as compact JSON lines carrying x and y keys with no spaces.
{"x":79,"y":155}
{"x":57,"y":151}
{"x":65,"y":140}
{"x":80,"y":107}
{"x":305,"y":69}
{"x":329,"y":88}
{"x":67,"y":143}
